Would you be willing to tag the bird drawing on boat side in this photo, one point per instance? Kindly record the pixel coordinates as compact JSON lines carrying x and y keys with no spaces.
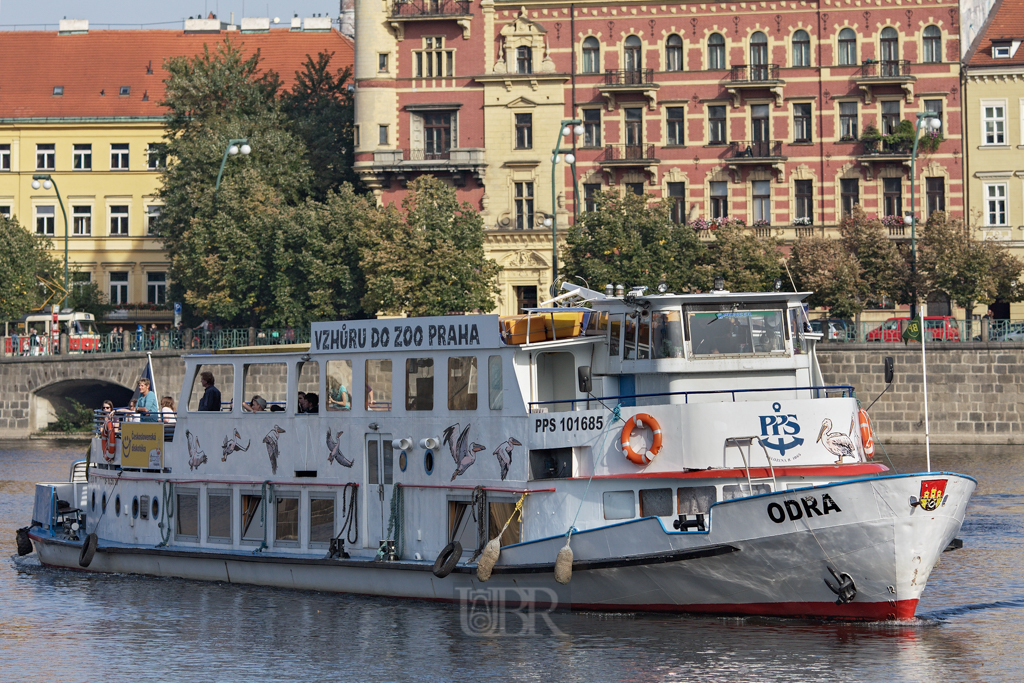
{"x":334,"y":450}
{"x":836,"y":443}
{"x":271,"y":440}
{"x":463,"y":452}
{"x":196,"y":456}
{"x":504,"y":455}
{"x":231,"y":444}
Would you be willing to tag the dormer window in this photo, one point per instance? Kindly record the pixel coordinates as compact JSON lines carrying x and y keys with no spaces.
{"x":126,"y":90}
{"x":58,"y":90}
{"x":1001,"y":50}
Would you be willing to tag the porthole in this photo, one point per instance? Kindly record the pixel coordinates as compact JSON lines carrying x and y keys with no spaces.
{"x":117,"y":505}
{"x":428,"y":461}
{"x":403,"y":460}
{"x":103,"y":502}
{"x":156,"y":508}
{"x":93,"y":505}
{"x":135,"y":507}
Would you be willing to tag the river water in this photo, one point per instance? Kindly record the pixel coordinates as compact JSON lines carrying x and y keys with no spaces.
{"x":60,"y":625}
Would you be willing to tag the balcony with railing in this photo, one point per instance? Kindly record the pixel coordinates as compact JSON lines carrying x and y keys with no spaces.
{"x":618,"y":81}
{"x":400,"y":163}
{"x":628,"y":155}
{"x":756,"y":153}
{"x":886,"y":72}
{"x":743,"y":77}
{"x":426,"y":9}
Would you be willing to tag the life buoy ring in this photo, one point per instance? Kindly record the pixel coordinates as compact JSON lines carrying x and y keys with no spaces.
{"x":867,"y":439}
{"x":88,"y":550}
{"x":446,"y":561}
{"x":640,"y":420}
{"x":108,"y":435}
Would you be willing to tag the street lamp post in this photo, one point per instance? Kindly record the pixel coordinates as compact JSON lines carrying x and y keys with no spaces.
{"x":234,"y":147}
{"x":47,"y":183}
{"x":566,"y":128}
{"x":932,"y":123}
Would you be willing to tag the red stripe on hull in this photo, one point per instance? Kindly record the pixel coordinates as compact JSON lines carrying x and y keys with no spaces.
{"x":852,"y":470}
{"x":903,"y":610}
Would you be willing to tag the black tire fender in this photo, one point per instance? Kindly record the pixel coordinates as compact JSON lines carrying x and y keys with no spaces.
{"x":24,"y":542}
{"x":88,"y":550}
{"x":447,"y":559}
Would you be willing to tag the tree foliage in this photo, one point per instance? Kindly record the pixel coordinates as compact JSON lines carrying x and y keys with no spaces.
{"x":824,"y":266}
{"x":24,"y":258}
{"x":748,"y":263}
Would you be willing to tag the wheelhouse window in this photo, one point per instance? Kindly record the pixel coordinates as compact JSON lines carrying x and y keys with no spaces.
{"x":719,"y":198}
{"x":804,"y":191}
{"x":674,"y":53}
{"x":801,"y":48}
{"x":81,"y":157}
{"x":847,"y":47}
{"x":524,"y":60}
{"x":802,"y":122}
{"x":339,"y":385}
{"x":932,"y":44}
{"x":591,"y":127}
{"x":266,"y":381}
{"x":849,"y":194}
{"x":667,"y":334}
{"x":495,"y":384}
{"x":524,"y":131}
{"x":892,"y":192}
{"x":675,"y":119}
{"x":462,"y":383}
{"x":419,"y":383}
{"x":524,"y":206}
{"x":716,"y":52}
{"x":378,"y":384}
{"x":591,"y":55}
{"x":716,"y":125}
{"x":738,"y":331}
{"x":848,"y":125}
{"x":223,"y":377}
{"x":677,"y":199}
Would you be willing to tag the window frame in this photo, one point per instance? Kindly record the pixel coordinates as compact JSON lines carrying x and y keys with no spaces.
{"x":844,"y":195}
{"x":803,"y":59}
{"x":847,"y":52}
{"x":322,"y":495}
{"x":47,"y":153}
{"x":156,"y":156}
{"x":632,"y":54}
{"x":524,"y":60}
{"x":524,"y":203}
{"x":591,"y":54}
{"x":472,"y":397}
{"x":280,"y":496}
{"x":803,"y":199}
{"x":674,"y":53}
{"x":716,"y":54}
{"x":48,"y":230}
{"x":524,"y":130}
{"x":931,"y":46}
{"x":591,"y":128}
{"x":675,"y":127}
{"x":999,"y":129}
{"x":990,"y":197}
{"x":190,"y":493}
{"x":761,"y":204}
{"x":889,"y":197}
{"x":413,"y":401}
{"x":119,"y":156}
{"x":849,"y":126}
{"x":217,"y":492}
{"x":156,"y":290}
{"x":676,"y":193}
{"x":804,"y":122}
{"x":888,"y":120}
{"x":80,"y":220}
{"x":81,"y":157}
{"x":939,"y":196}
{"x":152,"y":216}
{"x":5,"y":157}
{"x":123,"y":218}
{"x":124,"y":291}
{"x":437,"y":55}
{"x":719,"y":125}
{"x":719,"y":207}
{"x":589,"y":199}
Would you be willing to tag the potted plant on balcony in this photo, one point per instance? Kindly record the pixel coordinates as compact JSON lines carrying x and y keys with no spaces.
{"x":870,"y":137}
{"x":803,"y":221}
{"x":901,"y":140}
{"x":929,"y":141}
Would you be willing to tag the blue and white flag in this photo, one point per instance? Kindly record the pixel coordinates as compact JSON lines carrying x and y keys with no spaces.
{"x":147,"y":373}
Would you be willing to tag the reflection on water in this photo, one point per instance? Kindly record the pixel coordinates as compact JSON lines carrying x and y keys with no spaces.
{"x":122,"y":627}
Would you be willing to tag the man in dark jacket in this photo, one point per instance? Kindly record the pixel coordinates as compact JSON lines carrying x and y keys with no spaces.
{"x":211,"y":398}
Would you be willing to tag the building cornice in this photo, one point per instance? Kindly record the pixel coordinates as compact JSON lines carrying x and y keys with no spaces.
{"x":83,"y":119}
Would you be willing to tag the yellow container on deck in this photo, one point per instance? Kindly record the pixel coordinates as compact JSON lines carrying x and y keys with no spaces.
{"x":563,"y":325}
{"x":516,"y":328}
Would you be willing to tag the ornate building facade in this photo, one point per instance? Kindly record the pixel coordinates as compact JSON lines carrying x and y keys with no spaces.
{"x":762,"y":111}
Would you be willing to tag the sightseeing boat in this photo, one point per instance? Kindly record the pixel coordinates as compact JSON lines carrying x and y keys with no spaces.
{"x":684,"y":448}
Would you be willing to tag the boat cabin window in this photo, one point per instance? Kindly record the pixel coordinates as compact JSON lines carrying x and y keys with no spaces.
{"x":253,"y":518}
{"x":655,"y":502}
{"x":307,"y":382}
{"x":339,"y":385}
{"x":378,"y":384}
{"x":551,"y":463}
{"x":462,"y":380}
{"x":667,"y":334}
{"x":596,"y":324}
{"x":461,"y":525}
{"x":696,"y":500}
{"x":419,"y":383}
{"x":497,"y":514}
{"x":735,"y":330}
{"x":321,"y":520}
{"x":629,"y":339}
{"x":380,"y":459}
{"x":268,"y":381}
{"x":286,"y":514}
{"x":495,"y":385}
{"x":733,"y":491}
{"x":187,"y":528}
{"x":218,"y":515}
{"x":223,"y":377}
{"x":619,"y":505}
{"x":614,"y":334}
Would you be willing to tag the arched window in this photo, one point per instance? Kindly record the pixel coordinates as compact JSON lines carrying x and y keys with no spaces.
{"x":632,"y":54}
{"x":758,"y":57}
{"x":932,"y":44}
{"x":890,"y":44}
{"x":847,"y":47}
{"x":591,"y":55}
{"x":801,"y":49}
{"x":524,"y":60}
{"x":716,"y":51}
{"x":674,"y":53}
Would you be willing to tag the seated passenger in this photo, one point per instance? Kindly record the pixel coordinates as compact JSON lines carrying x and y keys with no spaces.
{"x":302,"y":402}
{"x":312,"y":403}
{"x":338,"y":399}
{"x":256,"y":405}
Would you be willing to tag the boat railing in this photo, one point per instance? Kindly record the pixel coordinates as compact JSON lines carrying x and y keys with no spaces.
{"x":735,"y":441}
{"x":832,"y":391}
{"x":126,"y":415}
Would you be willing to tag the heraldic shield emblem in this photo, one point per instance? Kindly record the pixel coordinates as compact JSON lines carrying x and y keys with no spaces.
{"x":932,"y":491}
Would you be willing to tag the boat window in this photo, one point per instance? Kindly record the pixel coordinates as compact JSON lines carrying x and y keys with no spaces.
{"x":339,"y":385}
{"x":615,"y":331}
{"x":619,"y":505}
{"x":629,"y":339}
{"x":378,"y":384}
{"x":735,"y":331}
{"x":377,"y":467}
{"x":497,"y":515}
{"x":462,"y":378}
{"x":187,"y":528}
{"x":268,"y":381}
{"x":286,"y":530}
{"x":321,"y":520}
{"x":253,"y":518}
{"x":667,"y":328}
{"x":597,"y":324}
{"x":307,"y":383}
{"x":797,"y":321}
{"x":655,"y":502}
{"x":223,"y":377}
{"x":461,"y":525}
{"x":218,"y":516}
{"x":733,"y":491}
{"x":495,"y":385}
{"x":419,"y":383}
{"x":551,"y":463}
{"x":696,"y":500}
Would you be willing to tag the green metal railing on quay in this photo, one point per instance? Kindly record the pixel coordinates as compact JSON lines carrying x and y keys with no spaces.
{"x":956,"y":331}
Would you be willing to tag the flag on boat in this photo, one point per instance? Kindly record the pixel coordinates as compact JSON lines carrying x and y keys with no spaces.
{"x":912,"y":332}
{"x":147,"y":373}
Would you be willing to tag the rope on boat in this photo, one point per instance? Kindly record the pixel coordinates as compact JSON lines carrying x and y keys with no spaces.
{"x":166,"y":512}
{"x":492,"y":550}
{"x":395,"y":522}
{"x":348,"y":524}
{"x":263,"y":513}
{"x":479,"y":508}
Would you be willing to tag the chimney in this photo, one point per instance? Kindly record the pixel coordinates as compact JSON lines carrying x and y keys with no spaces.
{"x":317,"y":24}
{"x":296,"y":23}
{"x":70,"y":27}
{"x":255,"y":24}
{"x":200,"y":25}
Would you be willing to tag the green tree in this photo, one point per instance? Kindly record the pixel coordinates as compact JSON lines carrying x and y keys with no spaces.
{"x":884,"y":269}
{"x":86,"y":296}
{"x":429,"y":261}
{"x":633,"y":241}
{"x":747,"y":262}
{"x":24,"y":259}
{"x":824,"y":266}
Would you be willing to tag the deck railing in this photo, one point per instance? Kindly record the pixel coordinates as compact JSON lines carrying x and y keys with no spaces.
{"x":837,"y":391}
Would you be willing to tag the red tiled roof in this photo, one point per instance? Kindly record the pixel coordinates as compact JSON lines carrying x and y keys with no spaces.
{"x":1005,"y":22}
{"x":33,"y":62}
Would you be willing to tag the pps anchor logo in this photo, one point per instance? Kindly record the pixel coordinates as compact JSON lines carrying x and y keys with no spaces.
{"x":784,"y":429}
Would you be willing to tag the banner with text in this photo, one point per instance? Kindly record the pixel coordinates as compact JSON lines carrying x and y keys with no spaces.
{"x":435,"y":333}
{"x":142,"y":445}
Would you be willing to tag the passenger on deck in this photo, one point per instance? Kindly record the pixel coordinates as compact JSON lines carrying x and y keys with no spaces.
{"x":257,"y":405}
{"x":339,"y":397}
{"x":128,"y":414}
{"x":302,"y":402}
{"x":211,"y":397}
{"x":167,"y":410}
{"x":146,"y":405}
{"x":312,"y":403}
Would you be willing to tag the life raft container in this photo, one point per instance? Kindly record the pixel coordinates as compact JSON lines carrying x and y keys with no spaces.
{"x":108,"y":437}
{"x":867,"y":439}
{"x":640,"y":420}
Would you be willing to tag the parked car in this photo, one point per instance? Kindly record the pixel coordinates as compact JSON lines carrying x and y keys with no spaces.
{"x":833,"y":329}
{"x":1012,"y":332}
{"x":938,"y":327}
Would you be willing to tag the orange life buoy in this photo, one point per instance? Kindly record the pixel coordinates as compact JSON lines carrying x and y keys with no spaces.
{"x":866,"y":437}
{"x":109,"y":437}
{"x":639,"y":420}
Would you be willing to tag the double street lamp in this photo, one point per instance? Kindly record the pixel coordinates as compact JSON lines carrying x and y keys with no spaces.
{"x":45,"y":181}
{"x":234,"y":147}
{"x":931,"y":123}
{"x":566,"y":128}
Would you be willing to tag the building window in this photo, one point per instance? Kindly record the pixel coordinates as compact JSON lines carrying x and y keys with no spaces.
{"x":524,"y":131}
{"x":676,"y":122}
{"x":801,"y":49}
{"x":849,"y":194}
{"x":995,"y":204}
{"x":932,"y":44}
{"x":355,"y":135}
{"x":5,"y":157}
{"x":1001,"y":50}
{"x":156,"y":289}
{"x":674,"y":53}
{"x":591,"y":55}
{"x":994,"y":122}
{"x":46,"y":157}
{"x":590,"y":191}
{"x":762,"y":194}
{"x":847,"y":47}
{"x":890,"y":116}
{"x":118,"y":220}
{"x":935,"y":107}
{"x":80,"y":280}
{"x":118,"y":288}
{"x":632,"y":61}
{"x":591,"y":127}
{"x":81,"y":157}
{"x":892,"y":192}
{"x":382,"y":62}
{"x":802,"y":122}
{"x":156,"y":156}
{"x":635,"y":188}
{"x":45,"y":218}
{"x":524,"y":206}
{"x":848,"y":121}
{"x":804,"y":191}
{"x":526,"y":297}
{"x":524,"y":60}
{"x":382,"y":135}
{"x":889,"y":40}
{"x":119,"y":156}
{"x":936,"y":191}
{"x":719,"y":198}
{"x":81,"y":220}
{"x":758,"y":56}
{"x":438,"y":131}
{"x":5,"y":210}
{"x":716,"y":51}
{"x":634,"y":128}
{"x":677,"y":197}
{"x":434,"y":61}
{"x":152,"y":216}
{"x":759,"y":127}
{"x":716,"y":125}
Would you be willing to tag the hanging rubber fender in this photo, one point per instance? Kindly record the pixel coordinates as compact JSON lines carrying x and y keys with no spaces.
{"x":24,"y":542}
{"x":640,"y":420}
{"x":867,"y":439}
{"x":446,"y":561}
{"x":88,"y":550}
{"x":108,"y":435}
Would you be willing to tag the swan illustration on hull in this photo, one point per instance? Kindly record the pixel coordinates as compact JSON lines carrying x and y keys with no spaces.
{"x":504,"y":454}
{"x":271,"y":440}
{"x":836,"y":443}
{"x":334,"y":448}
{"x":196,"y":456}
{"x":232,"y":444}
{"x":463,"y":452}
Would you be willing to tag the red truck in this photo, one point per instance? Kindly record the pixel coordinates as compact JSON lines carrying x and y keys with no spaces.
{"x":938,"y":328}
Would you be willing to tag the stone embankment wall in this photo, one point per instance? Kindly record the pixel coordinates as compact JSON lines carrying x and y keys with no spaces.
{"x":974,"y":389}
